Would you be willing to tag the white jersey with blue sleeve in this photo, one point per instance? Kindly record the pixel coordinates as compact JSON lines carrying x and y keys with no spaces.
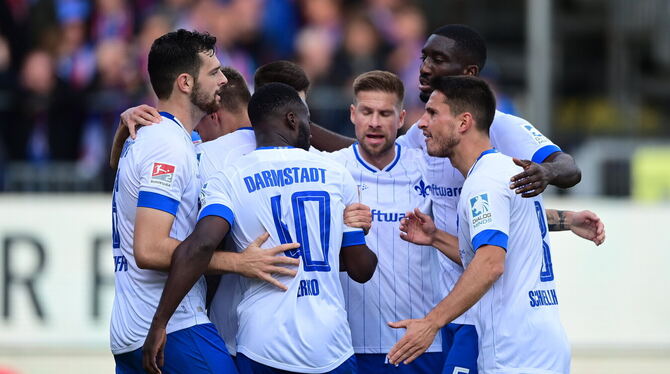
{"x":295,"y":196}
{"x":215,"y":156}
{"x":517,"y":319}
{"x":157,"y":170}
{"x":511,"y":135}
{"x":406,"y":283}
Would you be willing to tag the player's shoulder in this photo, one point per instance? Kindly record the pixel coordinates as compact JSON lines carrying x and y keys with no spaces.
{"x":494,"y":168}
{"x":506,"y":119}
{"x":244,"y":135}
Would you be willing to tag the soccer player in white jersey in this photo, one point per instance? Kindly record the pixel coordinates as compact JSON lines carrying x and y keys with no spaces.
{"x":406,"y":283}
{"x":154,"y":205}
{"x":502,"y":241}
{"x":292,"y":194}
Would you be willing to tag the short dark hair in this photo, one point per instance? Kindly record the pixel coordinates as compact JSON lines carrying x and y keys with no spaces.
{"x":383,"y":81}
{"x":468,"y":94}
{"x":235,"y":94}
{"x":271,"y":100}
{"x":470,"y":44}
{"x":175,"y":53}
{"x":282,"y":71}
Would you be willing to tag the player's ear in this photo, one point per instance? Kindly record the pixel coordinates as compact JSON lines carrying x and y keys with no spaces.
{"x":291,"y":120}
{"x":471,"y":70}
{"x":184,"y":83}
{"x":352,"y":110}
{"x":401,"y":119}
{"x":467,"y":121}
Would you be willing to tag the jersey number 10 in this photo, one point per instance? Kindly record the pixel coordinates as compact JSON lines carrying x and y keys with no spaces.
{"x":547,"y":271}
{"x":298,"y":199}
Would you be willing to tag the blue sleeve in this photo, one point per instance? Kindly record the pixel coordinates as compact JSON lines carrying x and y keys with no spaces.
{"x":490,"y":237}
{"x":218,"y":210}
{"x":154,"y":200}
{"x":541,"y":154}
{"x":350,"y":238}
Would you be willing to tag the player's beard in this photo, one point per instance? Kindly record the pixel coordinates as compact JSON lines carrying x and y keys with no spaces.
{"x":303,"y":137}
{"x":444,"y":148}
{"x":203,"y":102}
{"x":376,"y":152}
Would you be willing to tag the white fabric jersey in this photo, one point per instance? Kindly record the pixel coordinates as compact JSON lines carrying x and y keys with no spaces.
{"x":517,"y":319}
{"x":295,"y":196}
{"x":157,"y":170}
{"x":509,"y":134}
{"x":406,"y":282}
{"x":214,"y":157}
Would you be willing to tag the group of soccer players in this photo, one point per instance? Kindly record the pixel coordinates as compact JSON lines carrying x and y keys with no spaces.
{"x":335,"y":284}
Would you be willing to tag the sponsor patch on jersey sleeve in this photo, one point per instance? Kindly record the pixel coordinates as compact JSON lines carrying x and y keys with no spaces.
{"x":481,"y":211}
{"x":537,"y":136}
{"x":162,"y":174}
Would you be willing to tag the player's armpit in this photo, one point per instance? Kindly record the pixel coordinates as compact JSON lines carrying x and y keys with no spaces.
{"x":359,"y":261}
{"x":120,"y":137}
{"x":152,"y":245}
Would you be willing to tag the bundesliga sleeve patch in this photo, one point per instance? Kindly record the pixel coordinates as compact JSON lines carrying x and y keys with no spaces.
{"x":162,"y":174}
{"x":479,"y":206}
{"x":537,"y":136}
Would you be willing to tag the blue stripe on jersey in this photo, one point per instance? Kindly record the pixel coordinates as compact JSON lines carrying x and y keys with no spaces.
{"x":245,"y":128}
{"x":544,"y":152}
{"x":490,"y":237}
{"x":171,"y":117}
{"x":397,"y":157}
{"x":146,"y":199}
{"x":358,"y":157}
{"x":350,"y":238}
{"x":365,"y":164}
{"x":218,"y":210}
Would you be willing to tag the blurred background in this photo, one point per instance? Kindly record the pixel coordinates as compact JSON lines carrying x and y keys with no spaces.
{"x":593,"y":75}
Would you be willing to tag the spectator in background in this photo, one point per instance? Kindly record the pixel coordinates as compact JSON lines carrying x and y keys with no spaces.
{"x":111,"y":19}
{"x":325,"y":16}
{"x":75,"y":55}
{"x":408,"y":37}
{"x":50,"y":114}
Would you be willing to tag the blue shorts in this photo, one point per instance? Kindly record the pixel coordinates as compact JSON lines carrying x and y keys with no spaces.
{"x":198,"y":349}
{"x":373,"y":363}
{"x":461,"y":348}
{"x":249,"y":366}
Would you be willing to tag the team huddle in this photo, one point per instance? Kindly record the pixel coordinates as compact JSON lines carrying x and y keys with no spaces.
{"x":266,"y":244}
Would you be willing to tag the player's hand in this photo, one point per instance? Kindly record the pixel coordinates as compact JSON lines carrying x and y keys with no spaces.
{"x":532,"y":180}
{"x":256,"y":262}
{"x":135,"y":117}
{"x":417,"y":228}
{"x":588,"y":225}
{"x":153,"y":350}
{"x":358,"y":215}
{"x":419,"y":336}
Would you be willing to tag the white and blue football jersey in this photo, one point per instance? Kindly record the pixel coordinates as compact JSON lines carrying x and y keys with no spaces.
{"x":406,"y":283}
{"x":215,"y":156}
{"x":511,"y":135}
{"x":296,"y":197}
{"x":157,"y":170}
{"x":517,"y":319}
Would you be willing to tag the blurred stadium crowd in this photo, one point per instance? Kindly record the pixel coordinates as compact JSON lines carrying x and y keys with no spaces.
{"x":68,"y":68}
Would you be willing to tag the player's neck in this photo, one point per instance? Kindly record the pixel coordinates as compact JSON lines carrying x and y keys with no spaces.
{"x":379,"y":161}
{"x":272,"y":139}
{"x":235,"y":121}
{"x":468,"y":151}
{"x":188,"y":114}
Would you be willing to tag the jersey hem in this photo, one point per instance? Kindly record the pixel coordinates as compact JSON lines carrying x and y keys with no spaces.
{"x":175,"y":328}
{"x":277,"y":365}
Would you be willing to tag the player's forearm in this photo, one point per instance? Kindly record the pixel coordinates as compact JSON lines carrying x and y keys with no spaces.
{"x":563,"y":170}
{"x":120,"y":137}
{"x":559,"y":220}
{"x":326,"y":140}
{"x":359,"y":262}
{"x":189,"y":261}
{"x":155,"y":255}
{"x":486,"y":267}
{"x":447,"y":244}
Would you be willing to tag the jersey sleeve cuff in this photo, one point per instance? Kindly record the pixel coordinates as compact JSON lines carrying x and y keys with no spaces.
{"x":350,"y":238}
{"x":544,"y":152}
{"x":490,"y":237}
{"x":146,"y":199}
{"x":218,"y":210}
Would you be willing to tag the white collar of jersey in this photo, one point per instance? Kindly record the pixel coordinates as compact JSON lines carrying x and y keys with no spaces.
{"x":492,"y":150}
{"x":174,"y":119}
{"x":373,"y":168}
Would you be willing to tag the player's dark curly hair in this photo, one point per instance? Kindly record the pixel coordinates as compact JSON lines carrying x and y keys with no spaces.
{"x":282,"y":71}
{"x":271,"y":100}
{"x":175,"y":53}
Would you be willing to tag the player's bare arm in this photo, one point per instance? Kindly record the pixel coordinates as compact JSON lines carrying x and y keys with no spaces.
{"x":419,"y":228}
{"x":359,"y":216}
{"x":486,"y":267}
{"x":584,"y":224}
{"x":326,"y":140}
{"x":131,"y":119}
{"x":559,"y":169}
{"x":359,"y":262}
